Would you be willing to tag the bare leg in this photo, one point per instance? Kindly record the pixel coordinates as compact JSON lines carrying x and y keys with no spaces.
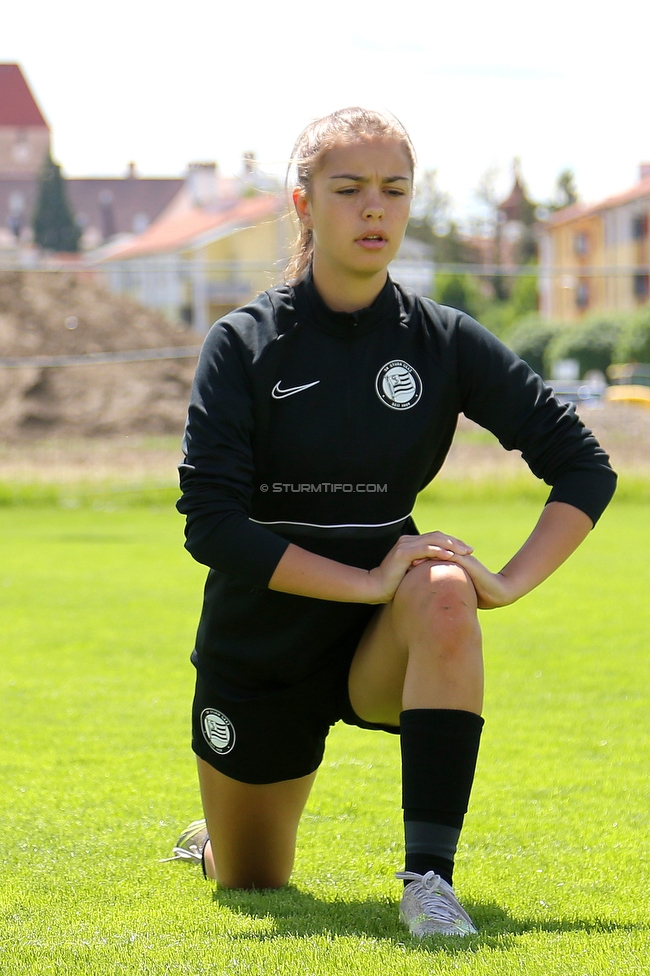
{"x":419,"y":665}
{"x":422,"y":650}
{"x":252,"y":828}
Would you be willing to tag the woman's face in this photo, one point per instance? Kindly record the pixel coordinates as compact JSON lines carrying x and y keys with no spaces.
{"x":358,"y":205}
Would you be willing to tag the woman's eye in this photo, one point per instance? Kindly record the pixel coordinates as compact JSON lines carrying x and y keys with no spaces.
{"x":347,"y":191}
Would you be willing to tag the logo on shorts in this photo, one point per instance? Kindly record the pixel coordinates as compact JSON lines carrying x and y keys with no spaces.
{"x":218,"y":730}
{"x":398,"y":385}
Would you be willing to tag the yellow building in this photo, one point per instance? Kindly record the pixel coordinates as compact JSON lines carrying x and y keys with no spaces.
{"x":596,"y":258}
{"x":196,"y":264}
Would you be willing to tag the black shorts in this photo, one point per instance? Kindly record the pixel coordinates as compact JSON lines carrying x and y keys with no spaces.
{"x":276,"y":737}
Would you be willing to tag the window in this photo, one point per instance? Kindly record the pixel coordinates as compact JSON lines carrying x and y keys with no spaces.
{"x":641,"y":286}
{"x":16,"y":219}
{"x":580,"y":243}
{"x":582,"y":294}
{"x":640,"y":227}
{"x":21,"y":150}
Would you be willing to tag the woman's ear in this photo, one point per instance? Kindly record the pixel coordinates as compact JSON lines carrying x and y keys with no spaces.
{"x":302,"y":205}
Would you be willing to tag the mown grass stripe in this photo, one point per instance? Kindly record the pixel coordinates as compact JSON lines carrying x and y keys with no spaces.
{"x":121,"y":494}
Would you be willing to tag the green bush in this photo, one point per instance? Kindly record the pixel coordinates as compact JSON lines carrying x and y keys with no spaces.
{"x":501,"y":317}
{"x":592,"y":342}
{"x":523,"y":296}
{"x":633,"y":344}
{"x":461,"y":291}
{"x":498,"y":315}
{"x":530,"y":339}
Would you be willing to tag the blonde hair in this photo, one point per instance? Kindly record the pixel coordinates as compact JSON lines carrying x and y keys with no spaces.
{"x":313,"y":143}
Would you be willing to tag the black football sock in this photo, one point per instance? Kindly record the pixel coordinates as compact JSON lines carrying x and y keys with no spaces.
{"x":439,"y":751}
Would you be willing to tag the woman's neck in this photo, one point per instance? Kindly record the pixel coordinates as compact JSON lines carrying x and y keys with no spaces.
{"x":345,"y":293}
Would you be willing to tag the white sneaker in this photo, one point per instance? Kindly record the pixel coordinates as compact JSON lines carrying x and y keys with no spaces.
{"x":430,"y":907}
{"x":189,"y":846}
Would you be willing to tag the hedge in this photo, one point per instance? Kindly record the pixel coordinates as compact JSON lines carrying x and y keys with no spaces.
{"x":595,"y":342}
{"x":633,"y":344}
{"x":592,"y":342}
{"x":530,"y":339}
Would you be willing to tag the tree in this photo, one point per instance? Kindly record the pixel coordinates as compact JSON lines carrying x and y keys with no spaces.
{"x":448,"y":248}
{"x":566,"y":191}
{"x":431,"y":222}
{"x":461,"y":291}
{"x":431,"y":205}
{"x":486,"y":193}
{"x":53,"y":223}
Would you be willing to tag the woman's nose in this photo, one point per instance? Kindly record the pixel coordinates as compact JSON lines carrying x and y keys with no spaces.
{"x":373,"y":210}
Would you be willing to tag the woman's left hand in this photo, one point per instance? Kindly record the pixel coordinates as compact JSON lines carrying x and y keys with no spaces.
{"x":559,"y":531}
{"x":492,"y":589}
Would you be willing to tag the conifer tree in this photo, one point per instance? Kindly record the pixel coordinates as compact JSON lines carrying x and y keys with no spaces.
{"x":53,"y":223}
{"x":566,"y":192}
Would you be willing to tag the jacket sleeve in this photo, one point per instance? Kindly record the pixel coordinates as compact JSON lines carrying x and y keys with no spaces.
{"x":216,"y":475}
{"x":502,"y":393}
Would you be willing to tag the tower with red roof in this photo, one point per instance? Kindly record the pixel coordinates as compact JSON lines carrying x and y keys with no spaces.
{"x":24,"y":133}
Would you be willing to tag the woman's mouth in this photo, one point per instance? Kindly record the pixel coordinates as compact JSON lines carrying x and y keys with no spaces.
{"x":372,"y":242}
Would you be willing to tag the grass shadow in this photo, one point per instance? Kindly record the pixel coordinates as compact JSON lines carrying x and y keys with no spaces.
{"x":299,"y":914}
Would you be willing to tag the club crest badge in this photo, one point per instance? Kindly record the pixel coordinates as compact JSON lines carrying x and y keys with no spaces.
{"x":398,"y":385}
{"x":218,"y":731}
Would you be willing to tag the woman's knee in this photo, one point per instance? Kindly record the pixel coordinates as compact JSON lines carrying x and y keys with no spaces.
{"x":440,"y":596}
{"x":252,"y":828}
{"x":446,"y":585}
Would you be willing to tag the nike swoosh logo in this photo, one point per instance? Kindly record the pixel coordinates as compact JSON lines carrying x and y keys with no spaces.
{"x":278,"y":394}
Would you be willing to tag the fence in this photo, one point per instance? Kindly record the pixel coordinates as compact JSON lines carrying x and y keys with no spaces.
{"x":197,"y":292}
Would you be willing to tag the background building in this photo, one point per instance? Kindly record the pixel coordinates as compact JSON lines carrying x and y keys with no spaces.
{"x":596,"y":257}
{"x":199,"y":260}
{"x":103,"y":208}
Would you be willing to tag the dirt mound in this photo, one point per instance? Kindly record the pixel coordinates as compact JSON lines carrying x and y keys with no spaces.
{"x":54,"y":314}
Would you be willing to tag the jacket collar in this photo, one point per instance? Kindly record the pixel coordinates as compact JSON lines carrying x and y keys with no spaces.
{"x":310,"y":306}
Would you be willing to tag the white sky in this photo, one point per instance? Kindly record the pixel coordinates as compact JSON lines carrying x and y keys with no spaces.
{"x":560,"y":83}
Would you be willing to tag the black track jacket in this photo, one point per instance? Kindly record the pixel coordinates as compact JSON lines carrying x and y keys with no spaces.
{"x":320,"y":428}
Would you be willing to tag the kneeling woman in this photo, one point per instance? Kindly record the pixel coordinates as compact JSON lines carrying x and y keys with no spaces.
{"x":318,"y":413}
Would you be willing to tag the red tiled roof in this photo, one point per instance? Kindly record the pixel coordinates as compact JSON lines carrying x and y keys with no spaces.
{"x":179,"y":230}
{"x":572,"y":212}
{"x":17,"y":104}
{"x":636,"y":192}
{"x":576,"y":210}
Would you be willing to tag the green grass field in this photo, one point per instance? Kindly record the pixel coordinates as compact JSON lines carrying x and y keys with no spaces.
{"x":98,"y":608}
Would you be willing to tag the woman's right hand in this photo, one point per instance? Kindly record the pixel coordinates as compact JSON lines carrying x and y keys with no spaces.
{"x":410,"y":551}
